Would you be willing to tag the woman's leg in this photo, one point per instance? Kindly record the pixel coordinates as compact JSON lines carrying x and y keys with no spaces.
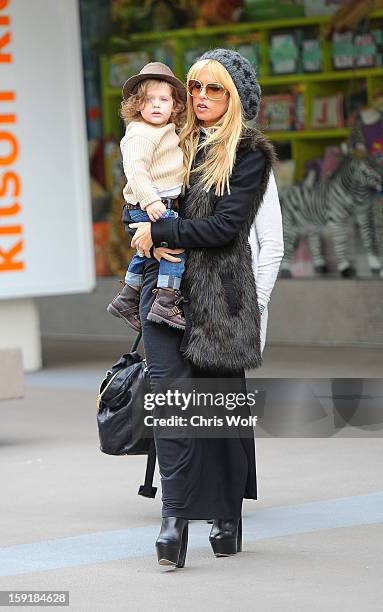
{"x":165,"y":362}
{"x":201,"y":478}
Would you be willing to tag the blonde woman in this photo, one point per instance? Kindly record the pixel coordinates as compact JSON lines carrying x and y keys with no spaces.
{"x":227,"y":171}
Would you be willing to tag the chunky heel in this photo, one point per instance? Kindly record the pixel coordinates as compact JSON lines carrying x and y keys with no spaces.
{"x":171,"y":544}
{"x":226,"y":537}
{"x":184,"y":545}
{"x":239,"y":536}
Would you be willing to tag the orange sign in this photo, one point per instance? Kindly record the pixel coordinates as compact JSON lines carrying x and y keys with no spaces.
{"x":46,"y":245}
{"x":11,"y":254}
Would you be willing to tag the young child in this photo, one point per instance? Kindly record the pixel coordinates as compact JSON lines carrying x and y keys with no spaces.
{"x":153,"y":103}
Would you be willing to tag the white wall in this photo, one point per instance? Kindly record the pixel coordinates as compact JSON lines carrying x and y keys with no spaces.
{"x":45,"y":214}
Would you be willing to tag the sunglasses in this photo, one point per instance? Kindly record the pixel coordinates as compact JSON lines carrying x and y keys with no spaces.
{"x":214,"y":91}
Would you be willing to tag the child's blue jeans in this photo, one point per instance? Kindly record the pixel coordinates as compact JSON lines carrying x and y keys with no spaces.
{"x":170,"y":273}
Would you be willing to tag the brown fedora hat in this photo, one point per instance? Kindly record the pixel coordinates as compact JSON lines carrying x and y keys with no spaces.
{"x":154,"y":70}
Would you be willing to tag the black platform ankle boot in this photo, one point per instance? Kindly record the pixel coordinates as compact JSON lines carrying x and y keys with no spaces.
{"x":226,"y":537}
{"x":172,"y":541}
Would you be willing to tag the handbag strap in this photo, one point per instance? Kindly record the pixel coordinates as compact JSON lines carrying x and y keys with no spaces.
{"x":147,"y":489}
{"x":136,"y":342}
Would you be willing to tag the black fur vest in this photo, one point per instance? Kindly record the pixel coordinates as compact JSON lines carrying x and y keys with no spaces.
{"x":221,"y":310}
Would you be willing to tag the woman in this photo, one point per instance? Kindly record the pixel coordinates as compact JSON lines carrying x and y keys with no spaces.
{"x":228,"y":167}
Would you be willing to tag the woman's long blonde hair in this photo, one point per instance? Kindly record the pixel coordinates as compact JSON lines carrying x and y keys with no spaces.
{"x":222,"y":139}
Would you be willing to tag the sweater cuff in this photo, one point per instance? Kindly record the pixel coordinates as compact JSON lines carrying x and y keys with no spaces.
{"x":162,"y":233}
{"x":149,"y":199}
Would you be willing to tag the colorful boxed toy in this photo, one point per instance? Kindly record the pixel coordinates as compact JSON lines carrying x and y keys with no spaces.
{"x":311,"y":55}
{"x":343,"y":50}
{"x":277,"y":112}
{"x":299,"y":115}
{"x":327,"y":112}
{"x":284,"y":53}
{"x":365,"y":50}
{"x":247,"y":45}
{"x":378,"y":38}
{"x":251,"y":52}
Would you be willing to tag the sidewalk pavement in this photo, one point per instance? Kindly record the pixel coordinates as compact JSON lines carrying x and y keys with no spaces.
{"x":71,"y":518}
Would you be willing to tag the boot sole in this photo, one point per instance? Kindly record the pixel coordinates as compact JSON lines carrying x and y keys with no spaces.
{"x":166,"y":562}
{"x":157,"y":319}
{"x":116,"y":313}
{"x":224,"y":547}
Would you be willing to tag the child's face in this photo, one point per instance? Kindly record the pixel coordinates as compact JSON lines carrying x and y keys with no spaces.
{"x":158,"y":105}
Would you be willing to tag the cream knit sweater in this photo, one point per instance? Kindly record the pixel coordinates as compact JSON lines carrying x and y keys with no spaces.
{"x":153,"y":161}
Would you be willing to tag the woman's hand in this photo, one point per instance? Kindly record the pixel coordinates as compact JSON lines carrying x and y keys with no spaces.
{"x":164,"y":252}
{"x":142,"y":239}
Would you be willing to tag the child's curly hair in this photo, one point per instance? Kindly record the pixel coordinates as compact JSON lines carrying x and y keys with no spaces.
{"x":130,"y":108}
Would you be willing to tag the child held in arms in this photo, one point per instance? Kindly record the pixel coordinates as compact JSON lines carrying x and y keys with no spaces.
{"x":152,"y":107}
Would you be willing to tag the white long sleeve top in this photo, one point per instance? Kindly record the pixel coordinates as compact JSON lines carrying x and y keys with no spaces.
{"x":267,"y":247}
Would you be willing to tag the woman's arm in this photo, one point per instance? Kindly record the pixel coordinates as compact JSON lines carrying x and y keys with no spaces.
{"x":266,"y":241}
{"x":230,"y":212}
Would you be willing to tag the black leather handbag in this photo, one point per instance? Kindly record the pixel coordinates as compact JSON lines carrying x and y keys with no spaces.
{"x":120,"y":420}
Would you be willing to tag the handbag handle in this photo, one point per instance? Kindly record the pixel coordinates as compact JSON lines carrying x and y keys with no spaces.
{"x":136,"y":342}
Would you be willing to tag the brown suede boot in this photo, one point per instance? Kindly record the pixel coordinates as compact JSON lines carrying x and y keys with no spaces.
{"x":165,"y":308}
{"x":126,"y":306}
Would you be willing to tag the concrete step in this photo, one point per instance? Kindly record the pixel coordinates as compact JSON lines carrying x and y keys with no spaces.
{"x":11,"y":373}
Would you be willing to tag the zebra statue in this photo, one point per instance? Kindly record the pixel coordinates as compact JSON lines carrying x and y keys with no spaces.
{"x":348,"y":193}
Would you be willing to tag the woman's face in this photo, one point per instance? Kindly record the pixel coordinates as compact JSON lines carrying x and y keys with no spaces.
{"x":209,"y":111}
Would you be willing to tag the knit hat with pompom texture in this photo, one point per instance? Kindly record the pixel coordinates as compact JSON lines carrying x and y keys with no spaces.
{"x":243,"y":75}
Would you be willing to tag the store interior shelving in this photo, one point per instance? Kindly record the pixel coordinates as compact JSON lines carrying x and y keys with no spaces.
{"x":304,"y":143}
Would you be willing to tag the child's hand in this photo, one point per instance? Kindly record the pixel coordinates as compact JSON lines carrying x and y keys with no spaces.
{"x":155,"y":210}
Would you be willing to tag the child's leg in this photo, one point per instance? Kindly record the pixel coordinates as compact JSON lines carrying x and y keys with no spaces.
{"x":170,"y":273}
{"x":126,"y":303}
{"x":166,"y":306}
{"x":133,"y":276}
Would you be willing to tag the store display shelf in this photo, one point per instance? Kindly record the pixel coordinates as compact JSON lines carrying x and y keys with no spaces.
{"x":114,"y":91}
{"x":336,"y":75}
{"x":308,"y":134}
{"x":286,"y":79}
{"x":235,"y":28}
{"x":302,"y":145}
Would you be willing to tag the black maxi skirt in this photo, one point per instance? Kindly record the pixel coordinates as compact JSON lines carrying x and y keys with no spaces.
{"x":201,"y":478}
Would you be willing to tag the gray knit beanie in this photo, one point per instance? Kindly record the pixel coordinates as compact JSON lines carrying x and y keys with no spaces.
{"x":243,"y":75}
